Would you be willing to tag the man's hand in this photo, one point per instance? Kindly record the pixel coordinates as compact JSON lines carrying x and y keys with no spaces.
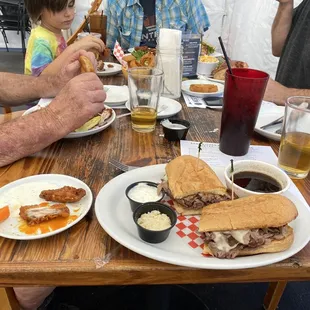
{"x":275,"y":92}
{"x":71,"y":69}
{"x":81,"y":99}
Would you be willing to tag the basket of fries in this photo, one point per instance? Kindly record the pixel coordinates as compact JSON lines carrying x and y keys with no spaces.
{"x":142,"y":56}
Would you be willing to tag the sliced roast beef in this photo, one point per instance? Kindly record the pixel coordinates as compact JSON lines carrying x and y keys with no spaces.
{"x":224,"y":245}
{"x":196,"y":201}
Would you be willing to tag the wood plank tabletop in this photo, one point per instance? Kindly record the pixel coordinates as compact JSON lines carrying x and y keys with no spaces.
{"x":85,"y":254}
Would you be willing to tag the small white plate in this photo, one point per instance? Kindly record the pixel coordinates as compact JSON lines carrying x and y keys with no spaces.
{"x":26,"y":191}
{"x":169,"y":106}
{"x":186,"y":85}
{"x":116,"y":95}
{"x":117,"y":68}
{"x":268,"y":113}
{"x":115,"y":216}
{"x":130,"y":50}
{"x":45,"y":102}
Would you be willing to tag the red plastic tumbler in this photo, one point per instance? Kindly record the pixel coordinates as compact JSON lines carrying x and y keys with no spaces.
{"x":243,"y":95}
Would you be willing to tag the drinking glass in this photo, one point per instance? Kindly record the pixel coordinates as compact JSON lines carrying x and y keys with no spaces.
{"x":243,"y":95}
{"x":145,"y":87}
{"x":294,"y":153}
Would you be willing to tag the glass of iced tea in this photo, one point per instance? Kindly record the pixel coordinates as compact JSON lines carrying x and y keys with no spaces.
{"x":145,"y":87}
{"x":243,"y":95}
{"x":294,"y":153}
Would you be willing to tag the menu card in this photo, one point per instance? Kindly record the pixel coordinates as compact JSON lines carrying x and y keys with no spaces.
{"x":191,"y":46}
{"x":211,"y":154}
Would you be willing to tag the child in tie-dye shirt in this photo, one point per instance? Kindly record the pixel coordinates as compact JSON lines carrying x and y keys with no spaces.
{"x":47,"y":48}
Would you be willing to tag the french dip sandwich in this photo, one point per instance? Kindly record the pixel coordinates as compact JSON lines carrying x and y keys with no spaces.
{"x":192,"y":184}
{"x":247,"y":226}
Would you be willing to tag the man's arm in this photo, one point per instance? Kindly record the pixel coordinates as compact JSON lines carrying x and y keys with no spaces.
{"x":277,"y":93}
{"x":16,"y":89}
{"x":80,"y":100}
{"x":198,"y":20}
{"x":112,"y":24}
{"x":281,"y":25}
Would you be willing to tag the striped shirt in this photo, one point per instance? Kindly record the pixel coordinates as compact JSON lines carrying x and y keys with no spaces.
{"x":125,"y":19}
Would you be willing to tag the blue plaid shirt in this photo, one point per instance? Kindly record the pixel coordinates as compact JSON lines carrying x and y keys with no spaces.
{"x":125,"y":19}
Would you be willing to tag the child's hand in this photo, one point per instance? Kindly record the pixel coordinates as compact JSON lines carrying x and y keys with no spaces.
{"x":88,"y":43}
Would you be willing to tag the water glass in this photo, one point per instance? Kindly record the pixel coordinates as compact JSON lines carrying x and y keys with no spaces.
{"x":145,"y":87}
{"x":294,"y":153}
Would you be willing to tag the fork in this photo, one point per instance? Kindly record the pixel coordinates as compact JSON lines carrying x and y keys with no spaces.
{"x":277,"y":121}
{"x":121,"y":166}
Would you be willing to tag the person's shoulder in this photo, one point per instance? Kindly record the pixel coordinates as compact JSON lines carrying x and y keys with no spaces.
{"x":42,"y":33}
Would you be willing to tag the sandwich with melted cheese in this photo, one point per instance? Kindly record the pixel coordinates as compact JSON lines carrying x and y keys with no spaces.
{"x":248,"y":226}
{"x":192,"y":184}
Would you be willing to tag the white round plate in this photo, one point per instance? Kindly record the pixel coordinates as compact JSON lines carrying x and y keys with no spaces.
{"x":115,"y":216}
{"x":267,"y":115}
{"x":168,"y":106}
{"x":186,"y":85}
{"x":26,"y":191}
{"x":45,"y":102}
{"x":117,"y":68}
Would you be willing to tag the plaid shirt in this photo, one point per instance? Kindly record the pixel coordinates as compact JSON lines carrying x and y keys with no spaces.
{"x":125,"y":19}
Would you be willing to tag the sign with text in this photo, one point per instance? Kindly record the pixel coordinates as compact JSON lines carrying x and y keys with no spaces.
{"x":191,"y":47}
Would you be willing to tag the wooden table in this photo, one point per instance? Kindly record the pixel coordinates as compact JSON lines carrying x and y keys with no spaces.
{"x":71,"y":257}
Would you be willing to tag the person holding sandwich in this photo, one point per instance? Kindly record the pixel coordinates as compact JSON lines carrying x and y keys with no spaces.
{"x":136,"y":22}
{"x":192,"y":185}
{"x":246,"y":226}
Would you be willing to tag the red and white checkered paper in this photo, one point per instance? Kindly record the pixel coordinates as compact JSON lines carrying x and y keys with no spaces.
{"x":119,"y":54}
{"x":187,"y":229}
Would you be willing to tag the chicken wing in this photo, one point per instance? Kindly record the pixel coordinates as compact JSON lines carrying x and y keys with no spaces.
{"x":36,"y":214}
{"x":64,"y":194}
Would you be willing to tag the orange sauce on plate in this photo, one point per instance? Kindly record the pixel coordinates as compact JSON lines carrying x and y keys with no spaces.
{"x":46,"y":227}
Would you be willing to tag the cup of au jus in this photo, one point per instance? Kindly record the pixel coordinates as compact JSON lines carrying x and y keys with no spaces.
{"x":175,"y":129}
{"x":141,"y":192}
{"x":253,"y":177}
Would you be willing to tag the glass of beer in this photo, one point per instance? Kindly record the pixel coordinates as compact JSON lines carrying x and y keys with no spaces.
{"x":145,"y":86}
{"x":294,"y":153}
{"x":243,"y":95}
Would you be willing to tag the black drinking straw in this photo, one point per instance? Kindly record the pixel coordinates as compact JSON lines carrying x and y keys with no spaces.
{"x":225,"y":55}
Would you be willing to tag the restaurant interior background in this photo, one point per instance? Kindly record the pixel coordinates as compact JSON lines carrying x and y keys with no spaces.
{"x":245,"y":26}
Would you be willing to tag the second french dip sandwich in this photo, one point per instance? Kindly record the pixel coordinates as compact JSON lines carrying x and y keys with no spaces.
{"x":247,"y":226}
{"x":192,"y":184}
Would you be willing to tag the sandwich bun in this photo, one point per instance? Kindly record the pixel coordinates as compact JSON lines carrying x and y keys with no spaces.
{"x":257,"y":211}
{"x":272,"y":247}
{"x":188,"y":175}
{"x":86,"y":64}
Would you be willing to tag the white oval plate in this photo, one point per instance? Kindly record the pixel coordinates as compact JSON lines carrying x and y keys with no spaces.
{"x":115,"y":216}
{"x":186,"y":85}
{"x":268,"y":113}
{"x":45,"y":102}
{"x":117,"y":68}
{"x":170,"y":107}
{"x":116,"y":95}
{"x":26,"y":191}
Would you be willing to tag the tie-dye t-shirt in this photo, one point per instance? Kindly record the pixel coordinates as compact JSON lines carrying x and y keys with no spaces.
{"x":43,"y":47}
